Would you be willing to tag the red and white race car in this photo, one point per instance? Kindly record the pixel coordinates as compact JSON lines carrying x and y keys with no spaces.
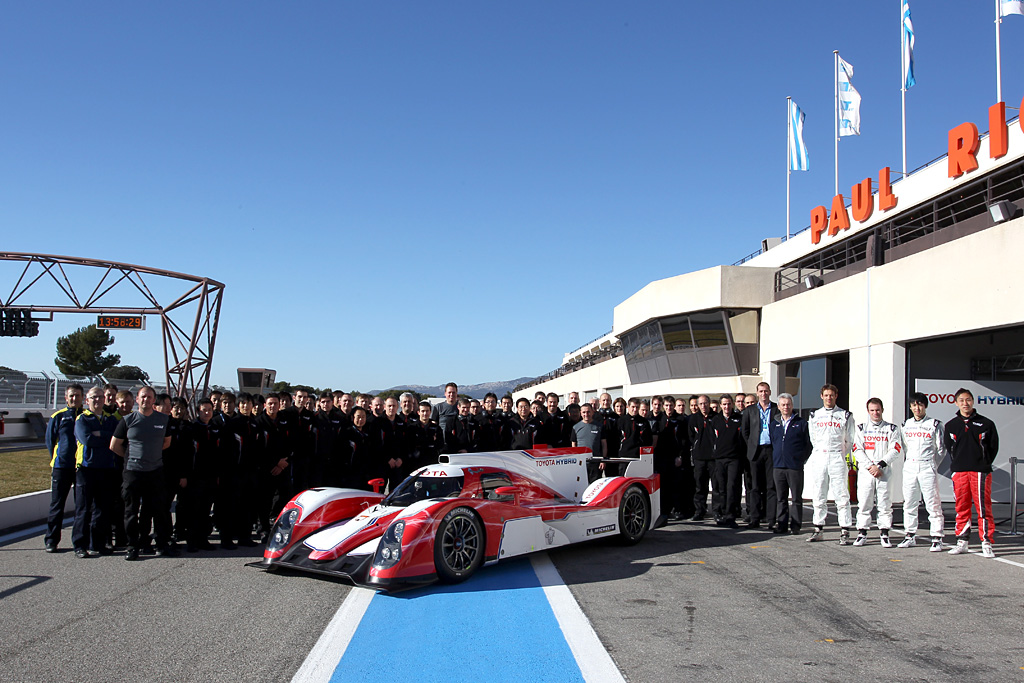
{"x":446,"y":520}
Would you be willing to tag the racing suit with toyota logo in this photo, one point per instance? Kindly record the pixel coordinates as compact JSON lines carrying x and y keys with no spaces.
{"x":876,"y":443}
{"x":832,"y":436}
{"x":925,"y":450}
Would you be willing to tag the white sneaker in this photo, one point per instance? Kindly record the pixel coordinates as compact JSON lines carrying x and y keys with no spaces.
{"x":844,"y":537}
{"x":937,"y":545}
{"x":884,"y":540}
{"x":986,"y":549}
{"x":861,"y":540}
{"x":817,"y":535}
{"x":909,"y":542}
{"x":959,"y":549}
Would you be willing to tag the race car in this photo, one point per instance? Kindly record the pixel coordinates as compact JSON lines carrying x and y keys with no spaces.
{"x":447,"y":520}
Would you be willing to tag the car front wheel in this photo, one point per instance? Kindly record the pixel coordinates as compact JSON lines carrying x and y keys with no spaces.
{"x":458,"y":546}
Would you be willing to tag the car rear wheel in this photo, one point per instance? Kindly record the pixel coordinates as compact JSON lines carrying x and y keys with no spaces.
{"x":458,"y":546}
{"x":634,"y":515}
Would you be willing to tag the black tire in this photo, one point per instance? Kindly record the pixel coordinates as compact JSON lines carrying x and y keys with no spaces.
{"x":634,"y":515}
{"x":458,"y":546}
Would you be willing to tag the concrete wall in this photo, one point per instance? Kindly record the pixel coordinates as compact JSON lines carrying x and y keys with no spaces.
{"x":950,"y":289}
{"x":29,"y":508}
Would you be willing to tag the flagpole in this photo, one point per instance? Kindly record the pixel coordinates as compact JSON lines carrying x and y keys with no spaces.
{"x":835,"y":54}
{"x":789,"y":146}
{"x":903,"y":87}
{"x":999,"y":58}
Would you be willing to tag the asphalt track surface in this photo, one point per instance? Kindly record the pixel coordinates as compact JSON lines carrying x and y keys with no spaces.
{"x":691,"y":602}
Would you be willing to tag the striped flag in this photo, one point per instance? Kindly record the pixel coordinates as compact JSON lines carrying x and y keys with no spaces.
{"x":849,"y":101}
{"x":798,"y":159}
{"x":908,"y":48}
{"x":1008,"y":7}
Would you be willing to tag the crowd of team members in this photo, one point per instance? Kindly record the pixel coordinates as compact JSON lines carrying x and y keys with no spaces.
{"x":245,"y":456}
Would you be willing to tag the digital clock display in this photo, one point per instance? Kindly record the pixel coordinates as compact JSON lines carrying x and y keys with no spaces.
{"x":121,"y":322}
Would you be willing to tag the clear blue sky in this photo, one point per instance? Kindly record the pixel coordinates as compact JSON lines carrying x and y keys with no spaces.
{"x":418,"y":192}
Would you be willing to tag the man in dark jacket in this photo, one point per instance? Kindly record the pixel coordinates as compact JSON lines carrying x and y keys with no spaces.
{"x":62,"y":447}
{"x":791,"y":446}
{"x":755,"y":428}
{"x":973,"y":443}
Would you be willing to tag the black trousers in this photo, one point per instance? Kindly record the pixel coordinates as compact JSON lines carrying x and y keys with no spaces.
{"x":748,"y":485}
{"x":61,"y":481}
{"x":95,"y":497}
{"x":763,"y":504}
{"x":149,"y":486}
{"x":275,"y":494}
{"x":725,"y":498}
{"x":703,"y":470}
{"x":789,"y":482}
{"x":198,"y":499}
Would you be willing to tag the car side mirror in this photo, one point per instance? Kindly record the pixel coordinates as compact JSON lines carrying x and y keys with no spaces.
{"x":377,"y":484}
{"x":506,"y":493}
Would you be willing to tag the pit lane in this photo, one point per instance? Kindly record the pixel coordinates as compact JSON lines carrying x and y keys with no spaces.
{"x":691,"y":601}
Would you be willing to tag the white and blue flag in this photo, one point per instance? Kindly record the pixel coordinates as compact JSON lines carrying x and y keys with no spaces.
{"x":1008,"y":7}
{"x":798,"y":159}
{"x":849,"y":101}
{"x":908,"y":47}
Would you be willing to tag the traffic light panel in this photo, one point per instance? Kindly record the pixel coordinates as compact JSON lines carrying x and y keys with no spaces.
{"x":17,"y":322}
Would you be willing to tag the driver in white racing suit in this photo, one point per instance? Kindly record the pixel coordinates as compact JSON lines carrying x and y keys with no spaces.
{"x":878,"y":445}
{"x":832,"y":437}
{"x":923,"y":437}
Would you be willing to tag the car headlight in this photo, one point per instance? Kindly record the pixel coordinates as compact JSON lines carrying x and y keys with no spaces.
{"x":389,"y":551}
{"x":283,"y":529}
{"x":288,"y":519}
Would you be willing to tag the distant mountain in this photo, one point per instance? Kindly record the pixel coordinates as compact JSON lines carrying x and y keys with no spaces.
{"x":472,"y":390}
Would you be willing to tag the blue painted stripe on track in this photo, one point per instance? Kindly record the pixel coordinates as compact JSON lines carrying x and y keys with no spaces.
{"x":497,"y":626}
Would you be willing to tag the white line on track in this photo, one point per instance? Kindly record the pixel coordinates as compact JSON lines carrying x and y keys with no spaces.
{"x":24,"y":533}
{"x":595,"y":663}
{"x":323,"y":659}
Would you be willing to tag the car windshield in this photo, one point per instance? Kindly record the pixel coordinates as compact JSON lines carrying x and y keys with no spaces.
{"x":414,"y":489}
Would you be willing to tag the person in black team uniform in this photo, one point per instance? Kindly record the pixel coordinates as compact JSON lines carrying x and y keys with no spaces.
{"x":359,"y":456}
{"x":276,"y":485}
{"x":702,"y":451}
{"x":665,"y":453}
{"x":463,"y":433}
{"x":245,"y":430}
{"x":730,"y":450}
{"x":408,"y":425}
{"x":682,"y":503}
{"x":429,"y":439}
{"x":609,"y":421}
{"x":636,"y":434}
{"x":389,"y":443}
{"x":557,"y":431}
{"x":527,"y":424}
{"x":491,"y":423}
{"x":207,"y":466}
{"x":303,"y":441}
{"x":327,"y":426}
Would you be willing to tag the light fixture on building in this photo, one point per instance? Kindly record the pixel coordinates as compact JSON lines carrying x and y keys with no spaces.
{"x":1002,"y":211}
{"x":812,"y":281}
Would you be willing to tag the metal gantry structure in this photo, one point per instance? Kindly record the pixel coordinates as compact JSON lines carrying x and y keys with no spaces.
{"x":188,"y":305}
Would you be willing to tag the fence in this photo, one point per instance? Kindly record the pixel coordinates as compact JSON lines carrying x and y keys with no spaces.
{"x":46,"y":390}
